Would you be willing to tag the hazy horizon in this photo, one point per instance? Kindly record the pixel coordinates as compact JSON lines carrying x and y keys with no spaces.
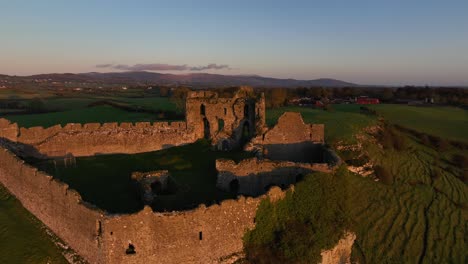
{"x":364,"y":42}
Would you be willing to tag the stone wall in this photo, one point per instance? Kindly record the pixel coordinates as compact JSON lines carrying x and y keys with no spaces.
{"x":94,"y":138}
{"x":57,"y":206}
{"x":227,"y":119}
{"x":202,"y":235}
{"x":255,"y":176}
{"x":8,"y":130}
{"x":291,"y":139}
{"x":341,"y":253}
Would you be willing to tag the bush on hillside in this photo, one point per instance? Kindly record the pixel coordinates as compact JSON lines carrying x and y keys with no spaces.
{"x":297,"y":228}
{"x":383,"y":174}
{"x":460,"y":160}
{"x":390,"y":138}
{"x":440,"y":144}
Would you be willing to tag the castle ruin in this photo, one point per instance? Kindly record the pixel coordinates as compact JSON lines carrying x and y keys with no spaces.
{"x":207,"y":234}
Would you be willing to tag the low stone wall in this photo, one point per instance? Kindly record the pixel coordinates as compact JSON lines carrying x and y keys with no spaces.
{"x":291,"y":139}
{"x":254,"y":176}
{"x":8,"y":130}
{"x":57,"y":206}
{"x":292,"y":129}
{"x":202,"y":235}
{"x":94,"y":138}
{"x":341,"y":253}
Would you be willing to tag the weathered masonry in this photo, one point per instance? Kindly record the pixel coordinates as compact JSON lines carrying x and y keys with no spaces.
{"x":207,"y":234}
{"x":228,"y":122}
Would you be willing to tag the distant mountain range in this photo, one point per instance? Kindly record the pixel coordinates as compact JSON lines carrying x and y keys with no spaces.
{"x":195,"y":79}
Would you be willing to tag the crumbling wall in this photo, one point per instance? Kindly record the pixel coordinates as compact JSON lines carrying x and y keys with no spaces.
{"x":94,"y":138}
{"x":225,"y":118}
{"x":202,"y":235}
{"x":291,"y":139}
{"x":254,"y":176}
{"x":8,"y":130}
{"x":57,"y":206}
{"x":341,"y":253}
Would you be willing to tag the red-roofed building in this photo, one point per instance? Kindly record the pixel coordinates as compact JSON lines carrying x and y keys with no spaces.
{"x":367,"y":100}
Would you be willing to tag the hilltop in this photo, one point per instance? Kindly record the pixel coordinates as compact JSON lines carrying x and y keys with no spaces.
{"x":194,"y":79}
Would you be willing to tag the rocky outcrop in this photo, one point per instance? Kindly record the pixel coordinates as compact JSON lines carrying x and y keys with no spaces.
{"x":341,"y":253}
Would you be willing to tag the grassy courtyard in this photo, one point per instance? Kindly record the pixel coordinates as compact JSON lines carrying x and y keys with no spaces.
{"x":105,"y":180}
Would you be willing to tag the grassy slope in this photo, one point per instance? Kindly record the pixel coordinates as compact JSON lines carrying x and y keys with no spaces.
{"x":417,"y":219}
{"x":340,"y":124}
{"x":22,"y":239}
{"x":390,"y":220}
{"x":105,"y":180}
{"x":445,"y":122}
{"x":99,"y":114}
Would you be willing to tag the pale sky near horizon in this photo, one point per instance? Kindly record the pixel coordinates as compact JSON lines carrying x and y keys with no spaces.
{"x":368,"y":42}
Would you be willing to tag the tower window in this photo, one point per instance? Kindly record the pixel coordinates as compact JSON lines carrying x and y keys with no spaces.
{"x":202,"y":109}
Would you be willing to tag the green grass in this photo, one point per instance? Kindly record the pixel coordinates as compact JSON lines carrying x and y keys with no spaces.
{"x":296,"y":228}
{"x":446,"y":122}
{"x":22,"y":237}
{"x":64,"y":104}
{"x":417,"y":219}
{"x":152,"y":103}
{"x":70,"y":103}
{"x":105,"y":180}
{"x":341,"y":124}
{"x":99,"y":114}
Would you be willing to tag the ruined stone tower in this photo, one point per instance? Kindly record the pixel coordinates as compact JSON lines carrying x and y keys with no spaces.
{"x":228,"y":122}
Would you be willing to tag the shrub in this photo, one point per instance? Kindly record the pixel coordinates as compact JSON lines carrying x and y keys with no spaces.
{"x":328,"y":107}
{"x":439,"y":143}
{"x":297,"y":228}
{"x":390,"y":138}
{"x":383,"y":174}
{"x":460,"y":160}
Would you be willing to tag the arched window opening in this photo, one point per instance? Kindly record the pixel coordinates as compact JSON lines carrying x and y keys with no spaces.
{"x":156,"y":187}
{"x":130,"y":250}
{"x":225,"y":111}
{"x":299,"y":177}
{"x":202,"y":109}
{"x":234,"y":186}
{"x":245,"y":133}
{"x":220,"y":124}
{"x":225,"y":145}
{"x":206,"y":127}
{"x":246,"y":111}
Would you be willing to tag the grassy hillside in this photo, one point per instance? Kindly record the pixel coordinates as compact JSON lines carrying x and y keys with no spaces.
{"x":418,"y":216}
{"x":99,"y":114}
{"x":446,"y":122}
{"x":105,"y":180}
{"x":22,"y":238}
{"x":341,"y":123}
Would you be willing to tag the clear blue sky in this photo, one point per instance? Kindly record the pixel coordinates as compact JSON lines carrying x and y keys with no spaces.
{"x":369,"y":42}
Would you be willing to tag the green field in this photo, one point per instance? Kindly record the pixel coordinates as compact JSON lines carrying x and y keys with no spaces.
{"x":341,"y":124}
{"x":446,"y":122}
{"x":77,"y":110}
{"x":105,"y":180}
{"x":22,"y":237}
{"x":420,"y":218}
{"x":98,"y":114}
